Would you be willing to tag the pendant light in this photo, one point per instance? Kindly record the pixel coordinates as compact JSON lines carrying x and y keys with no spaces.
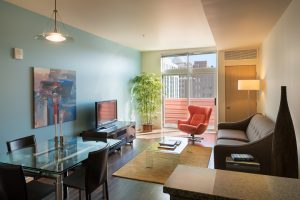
{"x":55,"y":35}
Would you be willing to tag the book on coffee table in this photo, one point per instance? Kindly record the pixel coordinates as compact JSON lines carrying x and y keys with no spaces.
{"x":168,"y":142}
{"x":242,"y":157}
{"x":165,"y":142}
{"x":167,"y":147}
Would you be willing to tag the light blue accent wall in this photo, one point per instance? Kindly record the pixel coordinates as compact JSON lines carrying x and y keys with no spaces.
{"x":103,"y":69}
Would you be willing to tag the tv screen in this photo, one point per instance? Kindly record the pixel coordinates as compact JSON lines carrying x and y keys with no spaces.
{"x":106,"y":112}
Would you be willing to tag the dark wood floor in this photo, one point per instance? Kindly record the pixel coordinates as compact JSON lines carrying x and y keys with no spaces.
{"x":123,"y":189}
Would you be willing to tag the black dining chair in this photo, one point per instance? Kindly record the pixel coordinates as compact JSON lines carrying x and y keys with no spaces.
{"x":13,"y":185}
{"x":92,"y":175}
{"x":21,"y":143}
{"x":93,"y":136}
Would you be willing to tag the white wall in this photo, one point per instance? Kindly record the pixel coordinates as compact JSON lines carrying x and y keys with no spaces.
{"x":280,"y":65}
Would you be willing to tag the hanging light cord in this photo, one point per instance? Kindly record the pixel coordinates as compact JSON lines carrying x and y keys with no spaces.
{"x":55,"y":12}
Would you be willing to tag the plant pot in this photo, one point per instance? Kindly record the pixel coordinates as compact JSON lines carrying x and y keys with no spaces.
{"x":147,"y":128}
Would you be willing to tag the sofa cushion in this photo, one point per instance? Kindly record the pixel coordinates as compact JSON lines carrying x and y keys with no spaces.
{"x":197,"y":119}
{"x":230,"y":142}
{"x":259,"y":127}
{"x":232,"y":134}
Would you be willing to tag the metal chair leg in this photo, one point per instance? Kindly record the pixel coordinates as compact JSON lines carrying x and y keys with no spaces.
{"x":88,"y":196}
{"x":106,"y":190}
{"x":65,"y":188}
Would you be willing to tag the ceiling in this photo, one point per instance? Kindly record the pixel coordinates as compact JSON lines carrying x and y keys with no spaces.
{"x":242,"y":23}
{"x":168,"y":24}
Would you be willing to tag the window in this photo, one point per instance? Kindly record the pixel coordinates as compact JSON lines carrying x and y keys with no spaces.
{"x":188,"y":79}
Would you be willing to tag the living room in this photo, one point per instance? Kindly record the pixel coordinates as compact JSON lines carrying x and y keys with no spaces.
{"x":105,"y":66}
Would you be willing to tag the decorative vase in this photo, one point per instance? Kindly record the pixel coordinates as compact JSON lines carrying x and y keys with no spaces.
{"x":61,"y":120}
{"x":284,"y":147}
{"x":61,"y":141}
{"x":56,"y":141}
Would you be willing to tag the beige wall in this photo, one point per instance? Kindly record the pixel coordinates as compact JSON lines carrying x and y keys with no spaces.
{"x":151,"y":64}
{"x":280,"y":65}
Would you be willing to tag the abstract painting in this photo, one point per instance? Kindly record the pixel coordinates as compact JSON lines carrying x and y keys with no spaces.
{"x":54,"y":96}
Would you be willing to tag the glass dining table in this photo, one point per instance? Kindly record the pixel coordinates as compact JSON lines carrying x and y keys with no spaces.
{"x":53,"y":160}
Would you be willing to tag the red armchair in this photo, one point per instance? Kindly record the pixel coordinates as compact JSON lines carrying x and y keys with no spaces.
{"x":197,"y":122}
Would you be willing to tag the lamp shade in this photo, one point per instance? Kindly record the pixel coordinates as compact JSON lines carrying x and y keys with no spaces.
{"x":248,"y":85}
{"x":54,"y":35}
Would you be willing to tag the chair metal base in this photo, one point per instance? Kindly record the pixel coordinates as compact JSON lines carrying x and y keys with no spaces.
{"x":195,"y":139}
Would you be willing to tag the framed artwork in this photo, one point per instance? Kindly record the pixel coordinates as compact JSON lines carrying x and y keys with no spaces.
{"x":54,"y":93}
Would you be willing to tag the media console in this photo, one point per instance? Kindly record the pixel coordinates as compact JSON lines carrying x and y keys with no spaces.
{"x":121,"y":130}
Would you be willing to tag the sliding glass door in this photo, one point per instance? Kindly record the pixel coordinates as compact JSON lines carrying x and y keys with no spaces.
{"x":188,"y":79}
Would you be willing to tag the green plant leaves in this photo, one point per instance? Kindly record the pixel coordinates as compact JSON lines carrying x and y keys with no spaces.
{"x":146,"y":91}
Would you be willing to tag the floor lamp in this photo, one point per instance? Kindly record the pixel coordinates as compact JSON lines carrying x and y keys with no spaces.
{"x":249,"y":85}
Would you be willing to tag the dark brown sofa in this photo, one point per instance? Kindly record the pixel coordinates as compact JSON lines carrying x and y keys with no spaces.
{"x":251,"y":136}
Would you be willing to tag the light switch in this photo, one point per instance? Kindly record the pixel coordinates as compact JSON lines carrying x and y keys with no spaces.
{"x":18,"y":53}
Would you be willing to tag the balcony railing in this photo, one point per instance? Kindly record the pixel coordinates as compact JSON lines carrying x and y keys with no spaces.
{"x":176,"y":108}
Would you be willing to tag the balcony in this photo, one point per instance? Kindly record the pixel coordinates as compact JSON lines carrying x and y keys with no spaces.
{"x":176,"y":108}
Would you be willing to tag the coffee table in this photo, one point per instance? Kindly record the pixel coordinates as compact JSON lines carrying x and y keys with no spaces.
{"x":162,"y":156}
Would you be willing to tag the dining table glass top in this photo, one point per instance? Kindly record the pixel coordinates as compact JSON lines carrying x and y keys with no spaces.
{"x":51,"y":158}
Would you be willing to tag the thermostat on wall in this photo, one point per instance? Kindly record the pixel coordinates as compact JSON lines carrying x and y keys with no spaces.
{"x":18,"y":53}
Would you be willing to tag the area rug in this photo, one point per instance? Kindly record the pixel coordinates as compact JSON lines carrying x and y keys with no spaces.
{"x":159,"y":166}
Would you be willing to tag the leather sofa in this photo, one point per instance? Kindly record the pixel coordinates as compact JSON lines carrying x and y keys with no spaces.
{"x":251,"y":136}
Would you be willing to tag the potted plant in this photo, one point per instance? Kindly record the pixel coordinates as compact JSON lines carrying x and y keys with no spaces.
{"x":146,"y":92}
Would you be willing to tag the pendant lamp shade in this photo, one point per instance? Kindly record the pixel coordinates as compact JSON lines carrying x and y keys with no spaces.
{"x":54,"y":35}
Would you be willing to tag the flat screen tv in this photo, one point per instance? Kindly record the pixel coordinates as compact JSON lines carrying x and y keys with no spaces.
{"x":106,"y":112}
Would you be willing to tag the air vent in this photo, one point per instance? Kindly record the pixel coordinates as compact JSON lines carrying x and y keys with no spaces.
{"x":241,"y":54}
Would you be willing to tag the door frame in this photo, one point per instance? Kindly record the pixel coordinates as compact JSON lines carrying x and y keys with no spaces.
{"x":188,"y":73}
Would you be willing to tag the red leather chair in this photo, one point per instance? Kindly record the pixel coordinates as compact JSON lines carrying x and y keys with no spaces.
{"x":197,"y":122}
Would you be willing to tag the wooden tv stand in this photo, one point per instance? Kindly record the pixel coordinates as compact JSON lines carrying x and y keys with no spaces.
{"x":121,"y":130}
